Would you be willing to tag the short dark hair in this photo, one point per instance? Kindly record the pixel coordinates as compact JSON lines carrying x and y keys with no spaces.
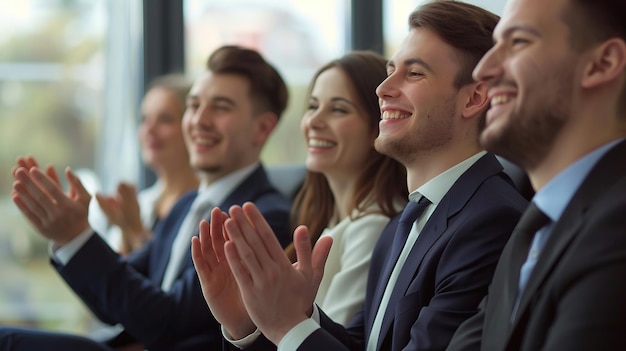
{"x":465,"y":27}
{"x":267,"y":87}
{"x":593,"y":21}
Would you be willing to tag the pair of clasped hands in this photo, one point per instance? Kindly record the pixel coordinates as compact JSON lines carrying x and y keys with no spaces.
{"x":60,"y":216}
{"x":248,"y":281}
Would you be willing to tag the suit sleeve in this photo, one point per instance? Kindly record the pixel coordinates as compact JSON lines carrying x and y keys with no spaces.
{"x":117,"y":293}
{"x":468,"y":336}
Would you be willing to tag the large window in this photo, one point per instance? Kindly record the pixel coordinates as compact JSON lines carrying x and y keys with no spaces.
{"x":59,"y":63}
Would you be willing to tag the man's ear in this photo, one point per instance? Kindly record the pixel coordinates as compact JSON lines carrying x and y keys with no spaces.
{"x":476,"y":99}
{"x":606,"y":64}
{"x":265,"y":124}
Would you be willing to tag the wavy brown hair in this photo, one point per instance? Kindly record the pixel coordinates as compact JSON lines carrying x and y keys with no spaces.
{"x":383,"y":181}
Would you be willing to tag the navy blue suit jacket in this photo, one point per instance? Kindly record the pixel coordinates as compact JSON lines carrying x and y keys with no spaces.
{"x":129,"y":291}
{"x":446,"y":274}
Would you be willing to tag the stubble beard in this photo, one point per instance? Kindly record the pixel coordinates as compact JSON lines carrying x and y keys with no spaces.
{"x":531,"y":132}
{"x":434,"y":134}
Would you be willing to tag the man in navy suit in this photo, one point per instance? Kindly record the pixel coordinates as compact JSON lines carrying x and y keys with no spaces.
{"x":424,"y":280}
{"x":557,"y":77}
{"x":155,"y":295}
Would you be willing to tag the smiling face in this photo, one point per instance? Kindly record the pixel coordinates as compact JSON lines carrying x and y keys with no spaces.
{"x":418,"y":100}
{"x":532,"y":71}
{"x":335,"y":127}
{"x":160,"y":131}
{"x":221,"y":130}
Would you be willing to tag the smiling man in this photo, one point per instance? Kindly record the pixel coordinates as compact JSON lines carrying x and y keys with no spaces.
{"x":429,"y":271}
{"x":155,"y":295}
{"x":557,"y":82}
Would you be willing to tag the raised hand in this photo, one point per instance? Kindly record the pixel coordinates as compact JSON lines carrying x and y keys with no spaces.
{"x":276,"y":294}
{"x":122,"y":210}
{"x":219,"y":287}
{"x":39,"y":196}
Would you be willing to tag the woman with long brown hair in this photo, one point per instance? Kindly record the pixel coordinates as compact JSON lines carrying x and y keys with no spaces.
{"x":350,"y":191}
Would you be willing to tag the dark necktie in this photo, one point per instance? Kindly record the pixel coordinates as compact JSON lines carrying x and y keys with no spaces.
{"x":532,"y":220}
{"x":410,"y":214}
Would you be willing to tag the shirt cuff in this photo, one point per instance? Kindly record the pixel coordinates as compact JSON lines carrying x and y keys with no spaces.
{"x":296,"y":336}
{"x":241,"y":343}
{"x":64,"y":254}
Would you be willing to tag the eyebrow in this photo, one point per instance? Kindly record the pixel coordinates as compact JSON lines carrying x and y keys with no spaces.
{"x":215,"y":99}
{"x":520,"y":27}
{"x":413,"y":61}
{"x":335,"y":99}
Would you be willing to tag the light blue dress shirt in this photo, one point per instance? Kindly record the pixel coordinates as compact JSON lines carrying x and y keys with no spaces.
{"x":552,"y":200}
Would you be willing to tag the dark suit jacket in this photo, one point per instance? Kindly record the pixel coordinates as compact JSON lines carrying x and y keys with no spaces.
{"x":447,"y":271}
{"x":575,"y":298}
{"x":129,"y":291}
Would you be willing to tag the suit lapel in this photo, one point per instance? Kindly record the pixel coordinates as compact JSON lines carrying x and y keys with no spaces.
{"x":436,"y":225}
{"x":606,"y":172}
{"x":454,"y":200}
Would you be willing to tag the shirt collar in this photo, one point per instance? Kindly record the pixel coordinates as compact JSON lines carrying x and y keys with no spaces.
{"x":216,"y":192}
{"x":553,"y":198}
{"x":435,"y":189}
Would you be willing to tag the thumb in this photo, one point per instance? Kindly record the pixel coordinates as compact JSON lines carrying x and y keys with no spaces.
{"x":319,"y":256}
{"x":77,"y":190}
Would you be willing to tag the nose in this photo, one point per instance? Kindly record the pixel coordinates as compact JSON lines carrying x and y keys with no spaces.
{"x":314,"y":119}
{"x":489,"y":68}
{"x":148,"y":124}
{"x":201,"y":115}
{"x":388,"y":87}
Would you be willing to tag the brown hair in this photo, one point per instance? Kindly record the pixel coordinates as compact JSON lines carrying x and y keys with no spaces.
{"x":465,"y":27}
{"x":267,"y":87}
{"x":383,"y":181}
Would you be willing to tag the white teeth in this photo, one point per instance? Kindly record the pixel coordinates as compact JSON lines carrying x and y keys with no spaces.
{"x":394,"y":115}
{"x":205,"y":142}
{"x":320,"y":143}
{"x":500,"y":99}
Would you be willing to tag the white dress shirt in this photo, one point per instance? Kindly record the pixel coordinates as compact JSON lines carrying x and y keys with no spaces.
{"x":208,"y":197}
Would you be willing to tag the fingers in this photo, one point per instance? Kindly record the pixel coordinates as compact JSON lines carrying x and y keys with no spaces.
{"x":266,"y":234}
{"x":302,"y":244}
{"x":24,"y":162}
{"x":52,"y":173}
{"x":245,"y":238}
{"x":126,"y":191}
{"x":239,"y":271}
{"x":203,"y":269}
{"x":216,"y":233}
{"x":77,"y":190}
{"x":319,"y":257}
{"x":25,"y":209}
{"x":30,"y":197}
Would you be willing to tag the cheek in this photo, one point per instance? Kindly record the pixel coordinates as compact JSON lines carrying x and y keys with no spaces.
{"x":303,"y":125}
